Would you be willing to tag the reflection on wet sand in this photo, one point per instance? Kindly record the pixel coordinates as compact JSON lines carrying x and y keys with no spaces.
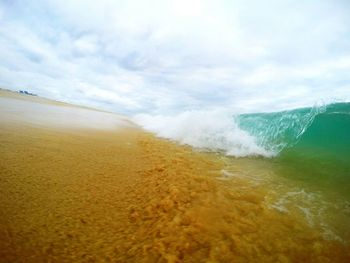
{"x":36,"y":111}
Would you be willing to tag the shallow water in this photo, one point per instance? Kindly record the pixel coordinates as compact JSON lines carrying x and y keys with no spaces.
{"x":48,"y":115}
{"x":302,"y":156}
{"x":323,"y":208}
{"x":126,"y":196}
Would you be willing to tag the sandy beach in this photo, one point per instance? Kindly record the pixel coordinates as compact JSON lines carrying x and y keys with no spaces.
{"x":99,"y":189}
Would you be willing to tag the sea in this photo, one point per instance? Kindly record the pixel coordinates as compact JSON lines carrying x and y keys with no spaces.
{"x":302,"y":156}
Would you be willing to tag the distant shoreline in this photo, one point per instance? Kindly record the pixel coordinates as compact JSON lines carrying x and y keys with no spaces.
{"x":40,"y":99}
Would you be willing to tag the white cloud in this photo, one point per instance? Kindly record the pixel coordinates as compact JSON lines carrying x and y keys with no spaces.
{"x":158,"y":56}
{"x":86,"y":44}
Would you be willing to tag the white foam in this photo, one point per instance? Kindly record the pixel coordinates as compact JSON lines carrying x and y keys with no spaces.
{"x":226,"y":173}
{"x":317,"y":212}
{"x":212,"y":130}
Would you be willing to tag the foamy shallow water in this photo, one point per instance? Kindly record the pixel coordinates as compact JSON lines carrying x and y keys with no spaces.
{"x":47,"y":115}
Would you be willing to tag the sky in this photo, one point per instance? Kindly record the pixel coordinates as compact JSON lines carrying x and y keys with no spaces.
{"x":166,"y":57}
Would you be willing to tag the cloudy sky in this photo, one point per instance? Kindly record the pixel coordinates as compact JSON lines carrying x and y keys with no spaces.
{"x":169,"y":56}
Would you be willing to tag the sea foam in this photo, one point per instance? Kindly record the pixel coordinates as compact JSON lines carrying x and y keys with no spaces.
{"x":240,"y":135}
{"x":210,"y":130}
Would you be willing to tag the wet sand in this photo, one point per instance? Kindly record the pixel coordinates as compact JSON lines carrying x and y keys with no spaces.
{"x":122,"y":195}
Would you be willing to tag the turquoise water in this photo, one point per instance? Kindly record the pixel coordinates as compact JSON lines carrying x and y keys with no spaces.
{"x":300,"y":157}
{"x":312,"y":145}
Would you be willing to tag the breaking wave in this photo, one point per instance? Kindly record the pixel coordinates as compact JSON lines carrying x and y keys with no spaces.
{"x":260,"y":134}
{"x":210,"y":130}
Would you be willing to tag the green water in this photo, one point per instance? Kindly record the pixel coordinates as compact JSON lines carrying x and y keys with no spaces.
{"x":312,"y":145}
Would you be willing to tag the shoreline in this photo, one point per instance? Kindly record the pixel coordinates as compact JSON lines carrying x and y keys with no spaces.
{"x":7,"y":93}
{"x":126,"y":196}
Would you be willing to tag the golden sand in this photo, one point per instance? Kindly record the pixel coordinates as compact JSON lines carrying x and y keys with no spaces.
{"x":126,"y":196}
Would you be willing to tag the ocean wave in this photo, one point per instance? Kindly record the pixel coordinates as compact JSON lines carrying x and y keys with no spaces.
{"x":210,"y":130}
{"x":260,"y":134}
